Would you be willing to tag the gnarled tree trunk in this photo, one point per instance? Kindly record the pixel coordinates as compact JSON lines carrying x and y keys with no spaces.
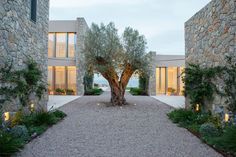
{"x":118,"y":86}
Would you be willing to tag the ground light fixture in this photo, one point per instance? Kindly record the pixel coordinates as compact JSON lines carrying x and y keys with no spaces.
{"x":32,"y":107}
{"x":226,"y":117}
{"x":6,"y":116}
{"x":197,"y":108}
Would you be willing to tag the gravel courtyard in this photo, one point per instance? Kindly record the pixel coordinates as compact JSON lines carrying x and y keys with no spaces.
{"x":140,"y":129}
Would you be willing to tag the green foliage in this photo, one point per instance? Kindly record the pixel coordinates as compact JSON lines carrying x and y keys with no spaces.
{"x":198,"y":83}
{"x":88,"y":80}
{"x":230,"y":84}
{"x":209,"y":130}
{"x":208,"y":127}
{"x":137,"y":91}
{"x":60,"y":91}
{"x":20,"y":131}
{"x":70,"y":92}
{"x":22,"y":82}
{"x":59,"y":114}
{"x":144,"y":82}
{"x":225,"y":142}
{"x":93,"y":91}
{"x":9,"y":144}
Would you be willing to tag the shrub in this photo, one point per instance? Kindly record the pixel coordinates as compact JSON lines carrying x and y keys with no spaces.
{"x":17,"y":118}
{"x":209,"y":130}
{"x":59,"y":114}
{"x":20,"y":131}
{"x":94,"y":91}
{"x":182,"y":116}
{"x":70,"y":92}
{"x":137,"y":91}
{"x":60,"y":91}
{"x":9,"y":144}
{"x":227,"y":141}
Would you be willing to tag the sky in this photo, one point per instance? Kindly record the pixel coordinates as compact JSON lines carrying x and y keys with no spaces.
{"x":160,"y":21}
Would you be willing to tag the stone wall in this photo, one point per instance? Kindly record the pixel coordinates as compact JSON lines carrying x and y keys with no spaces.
{"x":210,"y":35}
{"x":21,"y":37}
{"x":81,"y":27}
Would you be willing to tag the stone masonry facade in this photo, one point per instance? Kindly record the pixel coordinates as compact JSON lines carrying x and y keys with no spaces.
{"x":21,"y":37}
{"x":82,"y":28}
{"x":210,"y":35}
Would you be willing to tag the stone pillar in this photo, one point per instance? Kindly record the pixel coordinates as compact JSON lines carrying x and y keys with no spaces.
{"x":82,"y":27}
{"x":152,"y":79}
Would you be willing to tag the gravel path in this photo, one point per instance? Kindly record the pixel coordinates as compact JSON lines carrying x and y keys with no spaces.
{"x":92,"y":130}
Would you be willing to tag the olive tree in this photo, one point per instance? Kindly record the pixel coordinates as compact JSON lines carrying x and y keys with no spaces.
{"x":115,"y":57}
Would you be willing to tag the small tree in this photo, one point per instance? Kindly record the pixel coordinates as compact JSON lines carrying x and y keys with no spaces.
{"x":116,"y":58}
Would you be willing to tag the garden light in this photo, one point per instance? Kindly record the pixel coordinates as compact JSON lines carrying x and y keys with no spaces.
{"x":226,"y":117}
{"x":6,"y":116}
{"x":32,"y":107}
{"x":197,"y":108}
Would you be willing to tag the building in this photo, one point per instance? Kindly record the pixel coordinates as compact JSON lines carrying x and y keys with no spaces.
{"x":65,"y":58}
{"x":209,"y":37}
{"x":23,"y":33}
{"x":166,"y":77}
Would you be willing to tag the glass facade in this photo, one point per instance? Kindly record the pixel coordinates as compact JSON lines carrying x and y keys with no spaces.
{"x":168,"y":80}
{"x":63,"y":77}
{"x":71,"y":45}
{"x":71,"y":78}
{"x":51,"y":41}
{"x":61,"y":45}
{"x":60,"y":77}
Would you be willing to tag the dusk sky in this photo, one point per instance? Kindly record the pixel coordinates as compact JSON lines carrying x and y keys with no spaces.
{"x":161,"y":21}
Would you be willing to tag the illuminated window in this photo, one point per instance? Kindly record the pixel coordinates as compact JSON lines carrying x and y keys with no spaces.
{"x":71,"y":77}
{"x":172,"y":80}
{"x":61,"y":45}
{"x":50,"y":78}
{"x":60,"y":77}
{"x":71,"y":44}
{"x":181,"y":82}
{"x":157,"y":80}
{"x":51,"y":42}
{"x":163,"y":81}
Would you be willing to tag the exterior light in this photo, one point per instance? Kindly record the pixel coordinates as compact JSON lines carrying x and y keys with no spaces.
{"x":51,"y":93}
{"x":226,"y":117}
{"x":197,"y":107}
{"x":134,"y":104}
{"x":32,"y":107}
{"x":7,"y":116}
{"x":98,"y":104}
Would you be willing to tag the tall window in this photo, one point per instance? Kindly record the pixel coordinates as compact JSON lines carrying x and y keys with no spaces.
{"x":61,"y":45}
{"x":158,"y":80}
{"x":71,"y":44}
{"x":71,"y":77}
{"x":172,"y":80}
{"x":33,"y":15}
{"x":51,"y":41}
{"x":60,"y":77}
{"x":50,"y":78}
{"x":163,"y":81}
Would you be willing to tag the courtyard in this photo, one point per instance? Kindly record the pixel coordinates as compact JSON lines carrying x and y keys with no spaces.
{"x":139,"y":129}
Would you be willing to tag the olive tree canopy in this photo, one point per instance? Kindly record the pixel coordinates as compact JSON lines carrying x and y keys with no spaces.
{"x":115,"y":57}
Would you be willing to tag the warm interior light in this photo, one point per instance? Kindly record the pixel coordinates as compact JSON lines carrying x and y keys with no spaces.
{"x":226,"y":117}
{"x":197,"y":107}
{"x":51,"y":93}
{"x":32,"y":107}
{"x":6,"y":116}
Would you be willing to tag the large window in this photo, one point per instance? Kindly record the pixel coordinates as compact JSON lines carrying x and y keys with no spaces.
{"x":61,"y":45}
{"x":71,"y":78}
{"x":60,"y":78}
{"x":50,"y":78}
{"x":51,"y":42}
{"x":163,"y":81}
{"x":172,"y":80}
{"x":71,"y":44}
